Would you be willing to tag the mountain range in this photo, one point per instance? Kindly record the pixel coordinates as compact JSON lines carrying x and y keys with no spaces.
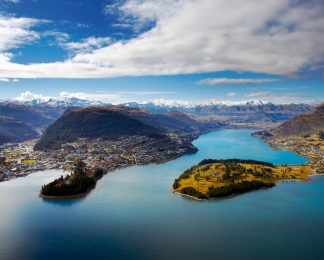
{"x":162,"y":106}
{"x":20,"y":122}
{"x":37,"y":115}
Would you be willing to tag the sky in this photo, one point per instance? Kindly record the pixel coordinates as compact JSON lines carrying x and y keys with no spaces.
{"x":183,"y":50}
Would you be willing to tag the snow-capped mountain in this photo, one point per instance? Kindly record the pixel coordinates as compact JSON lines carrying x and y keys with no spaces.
{"x":219,"y":107}
{"x":162,"y":105}
{"x":39,"y":114}
{"x":66,"y":102}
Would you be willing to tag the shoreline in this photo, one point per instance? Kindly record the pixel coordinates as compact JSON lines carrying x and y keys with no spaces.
{"x":239,"y":194}
{"x":218,"y":198}
{"x":66,"y":196}
{"x":186,"y":195}
{"x":276,"y":143}
{"x":32,"y":172}
{"x":116,"y":169}
{"x":174,"y":157}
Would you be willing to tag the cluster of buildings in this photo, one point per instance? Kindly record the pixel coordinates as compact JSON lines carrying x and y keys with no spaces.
{"x":20,"y":159}
{"x":129,"y":150}
{"x":311,"y":147}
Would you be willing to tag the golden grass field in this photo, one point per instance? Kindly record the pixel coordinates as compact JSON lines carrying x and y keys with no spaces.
{"x":212,"y":175}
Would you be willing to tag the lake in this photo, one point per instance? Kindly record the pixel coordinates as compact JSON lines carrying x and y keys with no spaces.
{"x":132,"y":214}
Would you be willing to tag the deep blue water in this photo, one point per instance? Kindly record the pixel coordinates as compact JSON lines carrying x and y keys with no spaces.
{"x":132,"y":214}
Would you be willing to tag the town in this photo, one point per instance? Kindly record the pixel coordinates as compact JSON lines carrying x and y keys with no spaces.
{"x":310,"y":146}
{"x":17,"y":160}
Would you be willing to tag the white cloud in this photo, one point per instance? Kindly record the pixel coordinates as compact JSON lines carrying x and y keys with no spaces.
{"x":16,"y":31}
{"x":105,"y":97}
{"x":112,"y":9}
{"x":139,"y":13}
{"x":230,"y":81}
{"x":281,"y":98}
{"x":258,"y":94}
{"x":28,"y":96}
{"x":12,"y":1}
{"x":88,"y":44}
{"x":60,"y":37}
{"x":231,"y":94}
{"x":146,"y":93}
{"x":8,"y":80}
{"x":189,"y":36}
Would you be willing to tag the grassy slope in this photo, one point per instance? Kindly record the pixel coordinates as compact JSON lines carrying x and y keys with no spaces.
{"x":204,"y":177}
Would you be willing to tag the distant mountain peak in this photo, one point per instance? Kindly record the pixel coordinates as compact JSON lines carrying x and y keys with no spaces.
{"x":151,"y":104}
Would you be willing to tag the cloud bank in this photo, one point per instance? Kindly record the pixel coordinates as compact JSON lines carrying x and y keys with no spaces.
{"x":230,"y":81}
{"x":276,"y":37}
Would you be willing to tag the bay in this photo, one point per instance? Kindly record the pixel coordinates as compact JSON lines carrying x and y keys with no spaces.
{"x":132,"y":213}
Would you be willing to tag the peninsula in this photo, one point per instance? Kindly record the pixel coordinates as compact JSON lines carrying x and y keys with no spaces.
{"x":223,"y":178}
{"x":77,"y":184}
{"x":303,"y":135}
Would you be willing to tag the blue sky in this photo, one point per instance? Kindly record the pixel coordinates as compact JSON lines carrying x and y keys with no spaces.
{"x":144,"y":50}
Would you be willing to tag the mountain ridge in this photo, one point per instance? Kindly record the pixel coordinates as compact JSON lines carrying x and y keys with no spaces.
{"x":93,"y":122}
{"x":304,"y":124}
{"x":12,"y":130}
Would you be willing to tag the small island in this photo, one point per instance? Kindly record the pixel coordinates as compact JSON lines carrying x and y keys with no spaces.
{"x":224,"y":178}
{"x":77,"y":184}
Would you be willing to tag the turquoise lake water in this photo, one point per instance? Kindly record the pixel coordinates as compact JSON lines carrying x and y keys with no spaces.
{"x":132,"y":214}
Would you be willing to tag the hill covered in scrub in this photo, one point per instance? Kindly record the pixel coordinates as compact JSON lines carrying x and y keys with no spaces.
{"x":305,"y":124}
{"x":170,"y":121}
{"x":113,"y":122}
{"x":93,"y":122}
{"x":33,"y":116}
{"x":20,"y":122}
{"x":12,"y":130}
{"x":303,"y":135}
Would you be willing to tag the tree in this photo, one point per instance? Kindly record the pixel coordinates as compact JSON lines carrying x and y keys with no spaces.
{"x":79,"y":167}
{"x":2,"y":161}
{"x":99,"y":172}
